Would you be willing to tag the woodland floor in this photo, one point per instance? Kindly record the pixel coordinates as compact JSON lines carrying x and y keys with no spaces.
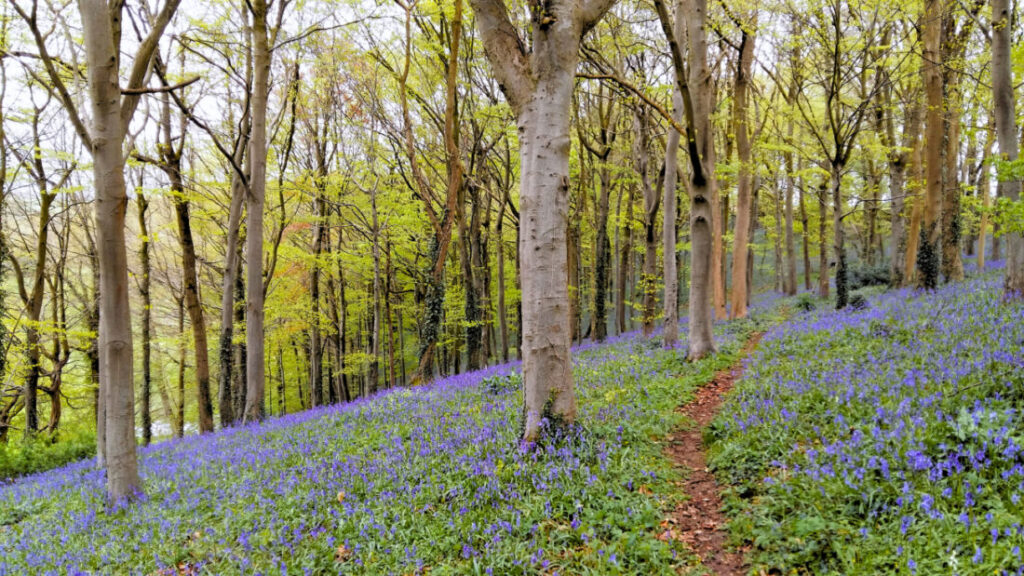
{"x":699,"y":520}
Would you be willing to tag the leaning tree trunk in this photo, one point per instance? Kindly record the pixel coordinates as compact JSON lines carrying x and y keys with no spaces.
{"x":171,"y":165}
{"x":1006,"y":128}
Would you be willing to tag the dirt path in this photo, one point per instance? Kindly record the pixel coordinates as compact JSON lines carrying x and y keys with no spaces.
{"x":699,"y":521}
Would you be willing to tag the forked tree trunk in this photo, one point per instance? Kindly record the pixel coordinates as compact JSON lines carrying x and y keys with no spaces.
{"x":115,"y":330}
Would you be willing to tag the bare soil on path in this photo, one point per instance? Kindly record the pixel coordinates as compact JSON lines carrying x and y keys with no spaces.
{"x":699,"y":520}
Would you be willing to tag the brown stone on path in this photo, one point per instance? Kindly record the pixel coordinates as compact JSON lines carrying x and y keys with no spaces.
{"x":699,"y":521}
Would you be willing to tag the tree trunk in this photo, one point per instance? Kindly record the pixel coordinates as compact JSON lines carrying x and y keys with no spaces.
{"x":254,"y":216}
{"x":805,"y":236}
{"x":701,"y":338}
{"x":720,"y":208}
{"x":789,"y":278}
{"x":502,"y":312}
{"x":544,"y":148}
{"x":179,"y":415}
{"x":839,"y":236}
{"x":670,"y":332}
{"x":1006,"y":133}
{"x":33,"y":300}
{"x":625,"y":260}
{"x":602,"y":248}
{"x":115,"y":329}
{"x":171,"y":165}
{"x":928,"y":249}
{"x":823,"y":267}
{"x":741,"y":235}
{"x":147,"y":321}
{"x":573,"y":269}
{"x":652,"y":198}
{"x":315,"y":347}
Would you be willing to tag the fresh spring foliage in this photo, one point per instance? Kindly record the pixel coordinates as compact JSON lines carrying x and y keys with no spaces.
{"x":884,"y":441}
{"x":44,"y":453}
{"x":399,"y":483}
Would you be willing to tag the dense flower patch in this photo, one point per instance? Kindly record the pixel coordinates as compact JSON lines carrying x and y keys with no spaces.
{"x":887,"y":440}
{"x":408,"y":482}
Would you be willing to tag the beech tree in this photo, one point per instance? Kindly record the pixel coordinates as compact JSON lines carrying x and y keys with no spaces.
{"x":538,"y":80}
{"x":112,"y":108}
{"x":1006,"y":133}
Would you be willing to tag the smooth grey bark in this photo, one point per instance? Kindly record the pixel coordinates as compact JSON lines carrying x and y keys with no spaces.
{"x":110,"y":115}
{"x":789,"y":277}
{"x":1006,"y":133}
{"x":701,"y":338}
{"x":539,"y":85}
{"x":928,"y":246}
{"x":744,"y":193}
{"x":670,"y":331}
{"x":254,"y":313}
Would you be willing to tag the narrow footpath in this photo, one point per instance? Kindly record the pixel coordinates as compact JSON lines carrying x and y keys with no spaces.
{"x":699,"y":521}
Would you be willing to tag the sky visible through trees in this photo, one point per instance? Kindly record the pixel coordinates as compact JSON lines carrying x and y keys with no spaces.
{"x":214,"y":214}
